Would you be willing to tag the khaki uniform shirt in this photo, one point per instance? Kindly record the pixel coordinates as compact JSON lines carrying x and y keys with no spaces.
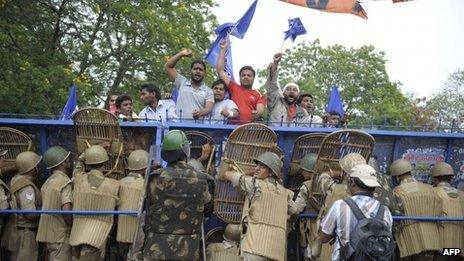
{"x":27,"y":200}
{"x":66,"y":193}
{"x":247,"y":184}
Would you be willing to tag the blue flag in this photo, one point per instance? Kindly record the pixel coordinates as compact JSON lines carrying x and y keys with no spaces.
{"x":335,"y":102}
{"x":241,"y":26}
{"x":213,"y":53}
{"x":71,"y":104}
{"x":295,"y":28}
{"x":237,"y":29}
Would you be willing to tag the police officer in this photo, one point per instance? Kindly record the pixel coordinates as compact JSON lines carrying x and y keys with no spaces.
{"x":228,"y":249}
{"x":176,"y":196}
{"x":333,"y":185}
{"x":451,"y":234}
{"x":54,"y":230}
{"x":4,"y":190}
{"x":416,"y":240}
{"x":306,"y":201}
{"x":26,"y":197}
{"x":267,"y":204}
{"x":5,"y":195}
{"x":92,"y":191}
{"x":130,"y":190}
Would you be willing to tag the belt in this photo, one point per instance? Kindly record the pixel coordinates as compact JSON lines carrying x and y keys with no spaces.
{"x":28,"y":228}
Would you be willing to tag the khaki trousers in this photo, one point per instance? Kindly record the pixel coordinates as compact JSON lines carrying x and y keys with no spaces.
{"x":59,"y":252}
{"x":27,"y":247}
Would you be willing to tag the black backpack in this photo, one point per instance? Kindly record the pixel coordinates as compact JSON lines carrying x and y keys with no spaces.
{"x":371,"y":238}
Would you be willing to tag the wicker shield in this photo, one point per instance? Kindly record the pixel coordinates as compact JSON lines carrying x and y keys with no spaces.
{"x":338,"y":144}
{"x":198,"y":139}
{"x":304,"y":145}
{"x":245,"y":143}
{"x":96,"y":126}
{"x":15,"y":142}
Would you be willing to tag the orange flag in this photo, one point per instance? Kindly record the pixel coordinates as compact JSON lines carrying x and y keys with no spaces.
{"x":333,"y":6}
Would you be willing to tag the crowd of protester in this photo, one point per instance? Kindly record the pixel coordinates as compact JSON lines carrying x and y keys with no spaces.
{"x":224,"y":101}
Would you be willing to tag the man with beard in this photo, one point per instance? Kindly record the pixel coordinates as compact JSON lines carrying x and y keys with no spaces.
{"x":195,"y":100}
{"x":250,"y":102}
{"x":282,"y":104}
{"x":156,"y":109}
{"x":223,"y":109}
{"x":54,"y":230}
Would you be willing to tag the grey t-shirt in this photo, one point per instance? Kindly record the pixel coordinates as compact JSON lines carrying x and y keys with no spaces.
{"x":189,"y":98}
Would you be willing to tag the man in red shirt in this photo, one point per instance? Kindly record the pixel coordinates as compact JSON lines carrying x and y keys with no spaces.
{"x":250,"y":102}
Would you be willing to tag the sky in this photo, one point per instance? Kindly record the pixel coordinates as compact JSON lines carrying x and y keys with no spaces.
{"x":423,"y":39}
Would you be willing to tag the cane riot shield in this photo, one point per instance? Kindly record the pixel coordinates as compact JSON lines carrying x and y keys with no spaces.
{"x":245,"y":144}
{"x":15,"y":142}
{"x":96,"y":127}
{"x":304,"y":145}
{"x":198,"y":139}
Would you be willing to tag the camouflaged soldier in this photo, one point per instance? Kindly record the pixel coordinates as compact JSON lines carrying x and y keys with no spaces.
{"x":5,"y":195}
{"x":92,"y":191}
{"x":54,"y":230}
{"x":305,"y":201}
{"x":451,"y":234}
{"x":176,"y":198}
{"x":416,"y":240}
{"x":267,"y":205}
{"x":227,"y":250}
{"x":20,"y":232}
{"x":130,"y":190}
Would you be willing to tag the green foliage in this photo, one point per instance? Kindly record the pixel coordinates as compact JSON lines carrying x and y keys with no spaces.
{"x":360,"y":75}
{"x":448,"y":105}
{"x":102,"y":46}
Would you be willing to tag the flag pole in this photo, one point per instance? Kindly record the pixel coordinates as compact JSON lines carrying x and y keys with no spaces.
{"x":282,"y":45}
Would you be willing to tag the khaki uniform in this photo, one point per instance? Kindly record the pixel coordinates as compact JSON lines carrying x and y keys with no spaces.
{"x":130,"y":189}
{"x":451,"y":234}
{"x":27,"y":197}
{"x":53,"y":230}
{"x":308,"y":227}
{"x":225,"y":251}
{"x":5,"y":197}
{"x":92,"y":191}
{"x":418,"y":240}
{"x":332,"y":192}
{"x":264,"y":215}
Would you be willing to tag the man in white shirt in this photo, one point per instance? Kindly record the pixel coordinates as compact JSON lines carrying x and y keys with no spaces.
{"x":340,"y":221}
{"x":223,"y":109}
{"x":156,"y":109}
{"x":195,"y":99}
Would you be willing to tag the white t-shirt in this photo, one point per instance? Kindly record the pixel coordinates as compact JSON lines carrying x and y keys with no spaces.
{"x":216,"y":116}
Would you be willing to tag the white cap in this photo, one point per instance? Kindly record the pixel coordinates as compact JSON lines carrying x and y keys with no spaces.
{"x":291,"y":84}
{"x":366,"y":174}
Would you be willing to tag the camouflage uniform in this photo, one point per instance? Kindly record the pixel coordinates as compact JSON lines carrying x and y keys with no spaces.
{"x":176,"y":195}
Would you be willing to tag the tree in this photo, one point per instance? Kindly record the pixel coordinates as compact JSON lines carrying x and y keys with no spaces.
{"x":359,"y":73}
{"x":101,"y":45}
{"x":448,"y":105}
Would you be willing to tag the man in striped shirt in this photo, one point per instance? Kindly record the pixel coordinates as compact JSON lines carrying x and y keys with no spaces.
{"x":340,"y":220}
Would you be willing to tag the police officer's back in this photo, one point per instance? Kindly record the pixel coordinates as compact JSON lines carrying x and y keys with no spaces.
{"x":176,"y":197}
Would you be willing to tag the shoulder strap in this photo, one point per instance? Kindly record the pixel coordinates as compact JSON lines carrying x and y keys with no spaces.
{"x":21,"y":183}
{"x":354,"y":207}
{"x":380,"y":212}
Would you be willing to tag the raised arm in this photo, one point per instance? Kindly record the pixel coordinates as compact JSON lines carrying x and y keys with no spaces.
{"x":220,"y":62}
{"x":171,"y":63}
